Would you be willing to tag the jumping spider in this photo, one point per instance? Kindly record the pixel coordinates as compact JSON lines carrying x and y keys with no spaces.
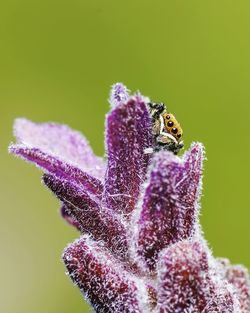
{"x":166,"y":129}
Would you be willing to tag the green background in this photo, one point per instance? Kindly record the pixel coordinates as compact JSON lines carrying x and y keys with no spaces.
{"x":57,"y":62}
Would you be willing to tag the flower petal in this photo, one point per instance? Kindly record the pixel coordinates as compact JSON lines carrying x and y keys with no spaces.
{"x":170,"y":205}
{"x":128,"y":135}
{"x":119,"y":94}
{"x":188,"y":283}
{"x":103,"y":281}
{"x":59,"y":140}
{"x":58,"y":167}
{"x":67,"y":215}
{"x":102,"y":224}
{"x":237,"y":275}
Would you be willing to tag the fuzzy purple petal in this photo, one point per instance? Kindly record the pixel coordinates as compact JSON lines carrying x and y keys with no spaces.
{"x":119,"y":94}
{"x":103,"y":281}
{"x":101,"y":223}
{"x":59,"y":140}
{"x":68,"y":217}
{"x":238,"y":276}
{"x":188,"y":282}
{"x":128,"y":135}
{"x":56,"y":166}
{"x":170,"y":205}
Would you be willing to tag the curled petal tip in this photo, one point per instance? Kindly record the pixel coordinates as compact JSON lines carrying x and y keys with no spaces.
{"x":119,"y":94}
{"x":197,"y":150}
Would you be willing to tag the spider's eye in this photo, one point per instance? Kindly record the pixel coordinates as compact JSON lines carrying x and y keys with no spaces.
{"x":170,"y":123}
{"x":174,"y":130}
{"x":168,"y":117}
{"x":179,"y":135}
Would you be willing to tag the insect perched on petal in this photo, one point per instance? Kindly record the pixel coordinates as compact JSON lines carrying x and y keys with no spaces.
{"x":166,"y":129}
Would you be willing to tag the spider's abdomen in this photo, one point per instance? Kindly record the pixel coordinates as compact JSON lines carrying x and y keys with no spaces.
{"x":172,"y":126}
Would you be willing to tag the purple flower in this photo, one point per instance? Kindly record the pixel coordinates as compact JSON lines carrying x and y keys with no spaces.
{"x":141,"y":248}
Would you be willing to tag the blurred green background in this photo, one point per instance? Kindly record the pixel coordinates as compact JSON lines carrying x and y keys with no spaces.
{"x":57,"y":62}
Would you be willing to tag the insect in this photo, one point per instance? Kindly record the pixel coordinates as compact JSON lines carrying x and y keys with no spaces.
{"x":166,"y":129}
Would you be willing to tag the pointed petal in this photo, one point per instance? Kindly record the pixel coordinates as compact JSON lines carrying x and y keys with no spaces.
{"x":128,"y":135}
{"x":102,"y":224}
{"x":170,"y":205}
{"x":188,"y":282}
{"x":58,"y":167}
{"x":103,"y":281}
{"x":59,"y":140}
{"x":238,"y":276}
{"x":119,"y":94}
